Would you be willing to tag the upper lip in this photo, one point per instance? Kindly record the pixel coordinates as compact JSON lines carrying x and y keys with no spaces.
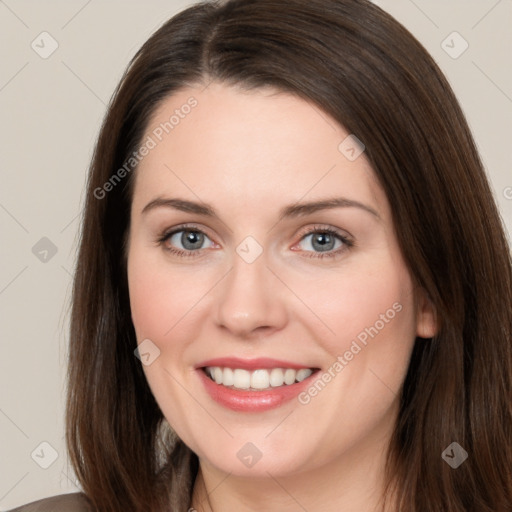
{"x":251,"y":364}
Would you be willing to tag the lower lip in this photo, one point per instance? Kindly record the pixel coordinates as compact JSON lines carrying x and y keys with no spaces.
{"x":252,"y":401}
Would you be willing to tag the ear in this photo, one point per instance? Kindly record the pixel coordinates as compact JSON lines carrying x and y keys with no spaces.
{"x":426,"y":317}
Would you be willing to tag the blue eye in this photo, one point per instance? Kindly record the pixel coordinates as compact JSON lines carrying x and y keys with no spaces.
{"x":317,"y":242}
{"x":189,"y":240}
{"x":185,"y":241}
{"x":321,"y":242}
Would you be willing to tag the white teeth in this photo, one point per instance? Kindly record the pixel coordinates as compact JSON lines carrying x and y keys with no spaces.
{"x":289,"y":376}
{"x":258,"y":379}
{"x":276,"y":377}
{"x":217,"y":375}
{"x":241,"y":379}
{"x":228,"y":378}
{"x":302,"y":374}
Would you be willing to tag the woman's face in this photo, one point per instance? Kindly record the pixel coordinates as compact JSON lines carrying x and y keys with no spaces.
{"x":262,"y":251}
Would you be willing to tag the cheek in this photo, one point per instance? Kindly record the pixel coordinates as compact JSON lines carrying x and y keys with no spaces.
{"x":150,"y":301}
{"x":160,"y":296}
{"x":362,"y":302}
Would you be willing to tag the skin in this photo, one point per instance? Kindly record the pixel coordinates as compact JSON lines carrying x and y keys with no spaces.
{"x":249,"y":154}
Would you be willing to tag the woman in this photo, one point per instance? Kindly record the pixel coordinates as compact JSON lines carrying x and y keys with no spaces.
{"x":293,"y":289}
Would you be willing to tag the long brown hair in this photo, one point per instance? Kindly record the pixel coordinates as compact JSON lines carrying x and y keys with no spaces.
{"x":359,"y":65}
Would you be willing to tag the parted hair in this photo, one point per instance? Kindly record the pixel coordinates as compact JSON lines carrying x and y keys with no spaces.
{"x":360,"y":66}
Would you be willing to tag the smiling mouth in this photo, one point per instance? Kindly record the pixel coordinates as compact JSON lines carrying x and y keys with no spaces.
{"x":258,"y":380}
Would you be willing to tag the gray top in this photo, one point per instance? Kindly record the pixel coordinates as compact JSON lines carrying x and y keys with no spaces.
{"x":75,"y":502}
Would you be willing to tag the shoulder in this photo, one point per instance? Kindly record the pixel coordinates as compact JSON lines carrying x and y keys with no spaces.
{"x":76,"y":502}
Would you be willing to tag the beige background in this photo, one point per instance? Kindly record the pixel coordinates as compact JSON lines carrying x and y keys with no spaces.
{"x":51,"y":111}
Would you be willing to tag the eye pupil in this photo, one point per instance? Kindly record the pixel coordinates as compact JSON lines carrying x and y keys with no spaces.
{"x":192,"y":239}
{"x":323,"y":241}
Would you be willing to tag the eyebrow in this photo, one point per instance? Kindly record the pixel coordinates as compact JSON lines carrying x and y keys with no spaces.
{"x":291,"y":211}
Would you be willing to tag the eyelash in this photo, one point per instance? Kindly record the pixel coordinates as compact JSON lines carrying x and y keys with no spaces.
{"x":347,"y":243}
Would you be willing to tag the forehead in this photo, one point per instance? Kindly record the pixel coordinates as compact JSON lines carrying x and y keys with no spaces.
{"x":249,"y":148}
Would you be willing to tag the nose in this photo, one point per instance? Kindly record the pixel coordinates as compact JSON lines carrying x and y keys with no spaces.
{"x":250,"y":301}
